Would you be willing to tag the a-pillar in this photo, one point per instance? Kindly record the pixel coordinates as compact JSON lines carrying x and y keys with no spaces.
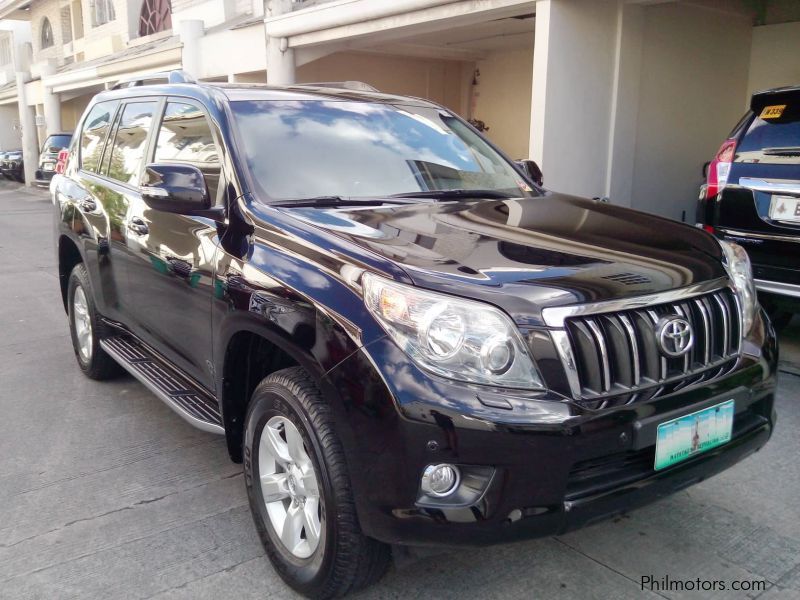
{"x":281,"y":69}
{"x":51,"y":102}
{"x":27,"y":114}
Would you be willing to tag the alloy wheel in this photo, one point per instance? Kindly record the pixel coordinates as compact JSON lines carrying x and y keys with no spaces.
{"x":83,"y":323}
{"x":290,"y":487}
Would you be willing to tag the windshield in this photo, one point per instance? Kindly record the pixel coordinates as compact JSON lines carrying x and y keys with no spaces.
{"x":308,"y":149}
{"x":57,"y":141}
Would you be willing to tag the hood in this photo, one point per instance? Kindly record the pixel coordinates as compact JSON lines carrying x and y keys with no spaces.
{"x":525,"y":254}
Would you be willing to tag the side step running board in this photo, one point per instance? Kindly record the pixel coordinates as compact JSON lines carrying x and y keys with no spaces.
{"x":182,"y":395}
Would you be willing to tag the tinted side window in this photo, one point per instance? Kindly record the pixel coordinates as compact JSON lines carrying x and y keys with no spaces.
{"x":93,"y":137}
{"x":185,"y":137}
{"x":130,"y":142}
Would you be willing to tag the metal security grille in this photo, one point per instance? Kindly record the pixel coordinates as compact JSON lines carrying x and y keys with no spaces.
{"x":618,"y":359}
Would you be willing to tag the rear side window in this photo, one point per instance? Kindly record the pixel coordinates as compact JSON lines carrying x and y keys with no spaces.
{"x":93,"y":137}
{"x":185,"y":137}
{"x":130,"y":142}
{"x":774,"y":135}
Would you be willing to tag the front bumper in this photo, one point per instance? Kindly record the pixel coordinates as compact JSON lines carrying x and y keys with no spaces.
{"x":43,"y":177}
{"x":555,"y":466}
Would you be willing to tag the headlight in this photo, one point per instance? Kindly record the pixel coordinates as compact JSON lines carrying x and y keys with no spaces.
{"x":737,"y":263}
{"x":459,"y":339}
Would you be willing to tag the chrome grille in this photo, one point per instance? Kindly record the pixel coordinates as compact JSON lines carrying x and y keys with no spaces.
{"x":615,"y":358}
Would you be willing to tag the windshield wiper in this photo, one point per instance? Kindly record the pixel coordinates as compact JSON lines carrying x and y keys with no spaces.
{"x":784,"y":151}
{"x":328,"y":201}
{"x":455,"y":194}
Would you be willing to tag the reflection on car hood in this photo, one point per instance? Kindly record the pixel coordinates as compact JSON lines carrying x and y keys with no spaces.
{"x":523,"y":254}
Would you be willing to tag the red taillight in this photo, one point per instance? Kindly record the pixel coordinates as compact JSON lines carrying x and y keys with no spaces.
{"x":61,"y":165}
{"x":709,"y":229}
{"x":719,"y":168}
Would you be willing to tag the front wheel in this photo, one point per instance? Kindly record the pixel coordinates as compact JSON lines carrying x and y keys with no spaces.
{"x":300,"y":493}
{"x":86,"y":328}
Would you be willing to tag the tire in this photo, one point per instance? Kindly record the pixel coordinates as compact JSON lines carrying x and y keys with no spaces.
{"x":87,"y":329}
{"x":343,"y":559}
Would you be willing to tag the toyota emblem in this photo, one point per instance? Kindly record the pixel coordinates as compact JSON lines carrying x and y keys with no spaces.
{"x":675,"y":336}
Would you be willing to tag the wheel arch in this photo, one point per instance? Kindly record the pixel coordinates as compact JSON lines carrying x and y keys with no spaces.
{"x":249,"y":350}
{"x":69,"y":255}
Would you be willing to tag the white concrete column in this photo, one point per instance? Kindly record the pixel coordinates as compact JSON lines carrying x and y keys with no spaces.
{"x":281,"y":69}
{"x":191,"y":31}
{"x":51,"y":102}
{"x":27,"y":114}
{"x":574,"y":64}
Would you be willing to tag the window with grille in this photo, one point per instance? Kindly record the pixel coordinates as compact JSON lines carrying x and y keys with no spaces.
{"x":155,"y":16}
{"x":46,"y":36}
{"x":66,"y":24}
{"x":5,"y":51}
{"x":102,"y":12}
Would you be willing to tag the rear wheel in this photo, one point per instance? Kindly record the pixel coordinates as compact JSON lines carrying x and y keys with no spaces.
{"x":87,"y":329}
{"x":300,"y":492}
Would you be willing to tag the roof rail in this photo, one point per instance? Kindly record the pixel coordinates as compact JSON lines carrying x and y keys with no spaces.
{"x":358,"y":86}
{"x":176,"y":76}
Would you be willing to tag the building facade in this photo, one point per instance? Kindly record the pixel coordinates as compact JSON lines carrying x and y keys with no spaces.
{"x":624,"y":99}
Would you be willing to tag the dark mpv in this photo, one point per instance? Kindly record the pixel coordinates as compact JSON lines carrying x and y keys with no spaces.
{"x":404,"y":339}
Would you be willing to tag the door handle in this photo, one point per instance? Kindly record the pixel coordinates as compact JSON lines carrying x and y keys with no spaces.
{"x":138,"y":226}
{"x":87,"y":204}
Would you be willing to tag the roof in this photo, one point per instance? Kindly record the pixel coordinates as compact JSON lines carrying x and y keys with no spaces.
{"x":130,"y":52}
{"x":255,"y":92}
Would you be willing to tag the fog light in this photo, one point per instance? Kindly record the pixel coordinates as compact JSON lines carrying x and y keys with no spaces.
{"x":440,"y":480}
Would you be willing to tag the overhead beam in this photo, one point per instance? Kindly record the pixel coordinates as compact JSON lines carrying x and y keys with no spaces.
{"x":426,"y":20}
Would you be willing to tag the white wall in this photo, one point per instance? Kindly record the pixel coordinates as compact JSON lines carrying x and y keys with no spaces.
{"x":442,"y":81}
{"x":502,"y":99}
{"x":775,"y":57}
{"x":573,"y":79}
{"x":9,"y":137}
{"x":693,"y":82}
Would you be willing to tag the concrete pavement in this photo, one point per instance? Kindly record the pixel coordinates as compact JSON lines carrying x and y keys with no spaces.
{"x":106,"y":493}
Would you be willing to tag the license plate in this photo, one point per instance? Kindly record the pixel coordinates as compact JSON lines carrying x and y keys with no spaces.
{"x":49,"y":166}
{"x":785,"y":208}
{"x":693,"y":434}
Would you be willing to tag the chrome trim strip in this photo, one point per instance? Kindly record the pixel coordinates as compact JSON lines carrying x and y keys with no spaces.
{"x":704,"y":371}
{"x":564,"y":350}
{"x":760,"y":236}
{"x":601,"y":343}
{"x":776,"y":287}
{"x":771,"y":187}
{"x":654,"y":317}
{"x":686,"y":357}
{"x":628,"y":326}
{"x":706,"y":329}
{"x":192,"y":420}
{"x":725,"y":323}
{"x":554,"y":316}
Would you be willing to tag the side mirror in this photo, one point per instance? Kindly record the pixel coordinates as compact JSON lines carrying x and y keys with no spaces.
{"x":176,"y":188}
{"x":532,"y":170}
{"x":705,"y":169}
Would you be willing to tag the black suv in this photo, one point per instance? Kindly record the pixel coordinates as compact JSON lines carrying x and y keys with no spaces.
{"x":752,"y":197}
{"x":48,"y":158}
{"x":12,"y":166}
{"x":404,"y":339}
